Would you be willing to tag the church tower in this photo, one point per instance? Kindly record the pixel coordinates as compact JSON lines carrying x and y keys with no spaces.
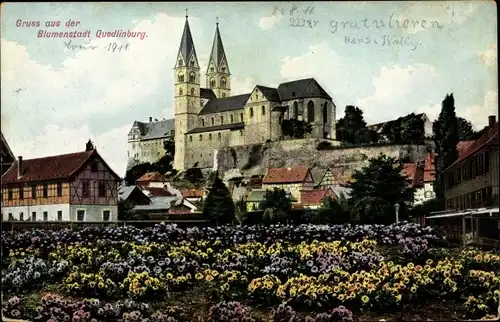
{"x":218,"y":76}
{"x":187,"y":95}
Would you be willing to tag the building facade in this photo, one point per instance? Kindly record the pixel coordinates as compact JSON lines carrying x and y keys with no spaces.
{"x":472,"y":180}
{"x":70,"y":187}
{"x":211,"y":117}
{"x":292,"y":180}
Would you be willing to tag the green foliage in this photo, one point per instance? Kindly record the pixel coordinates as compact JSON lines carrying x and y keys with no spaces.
{"x":126,"y":210}
{"x":446,"y":139}
{"x":407,"y":128}
{"x":136,"y":172}
{"x":218,"y":207}
{"x":194,"y":175}
{"x":296,"y":129}
{"x":352,"y":127}
{"x":276,"y":205}
{"x":376,"y":189}
{"x":465,"y":130}
{"x":240,"y":211}
{"x":425,"y":208}
{"x":333,"y":211}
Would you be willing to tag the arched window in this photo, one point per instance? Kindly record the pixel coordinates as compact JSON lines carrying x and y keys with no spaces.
{"x":231,"y":118}
{"x":210,"y":136}
{"x":310,"y":111}
{"x":241,"y":117}
{"x":251,"y":112}
{"x":190,"y":138}
{"x":213,"y":121}
{"x":202,"y":122}
{"x":295,"y":109}
{"x":223,"y":69}
{"x":201,"y":137}
{"x":263,"y":110}
{"x":222,"y":119}
{"x":223,"y":82}
{"x":180,"y":78}
{"x":192,"y":77}
{"x":219,"y":135}
{"x":325,"y":113}
{"x":241,"y":132}
{"x":192,"y":63}
{"x":212,"y":83}
{"x":223,"y":94}
{"x":181,"y":92}
{"x":180,"y":62}
{"x":192,"y":91}
{"x":212,"y":69}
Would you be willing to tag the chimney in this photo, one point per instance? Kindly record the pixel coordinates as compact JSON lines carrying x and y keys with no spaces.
{"x":150,"y":119}
{"x":491,"y":120}
{"x":19,"y":167}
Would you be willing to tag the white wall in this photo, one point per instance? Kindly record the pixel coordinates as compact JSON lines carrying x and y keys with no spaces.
{"x":39,"y":209}
{"x":93,"y":212}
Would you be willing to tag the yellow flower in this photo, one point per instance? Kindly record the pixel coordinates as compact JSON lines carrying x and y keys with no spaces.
{"x":365,"y":299}
{"x":199,"y":276}
{"x":429,"y":261}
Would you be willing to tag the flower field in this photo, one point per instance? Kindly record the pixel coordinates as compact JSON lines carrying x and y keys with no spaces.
{"x":293,"y":273}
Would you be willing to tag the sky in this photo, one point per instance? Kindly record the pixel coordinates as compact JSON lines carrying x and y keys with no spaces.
{"x":55,"y":96}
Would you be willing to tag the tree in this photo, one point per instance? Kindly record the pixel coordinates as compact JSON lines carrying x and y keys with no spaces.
{"x":126,"y":210}
{"x":377,"y":187}
{"x":136,"y":172}
{"x":218,"y":207}
{"x":194,"y":175}
{"x":296,"y":129}
{"x":240,"y":211}
{"x":393,"y":130}
{"x":276,"y":205}
{"x":352,"y":127}
{"x":412,"y":128}
{"x":446,"y":139}
{"x":333,"y":211}
{"x":465,"y":130}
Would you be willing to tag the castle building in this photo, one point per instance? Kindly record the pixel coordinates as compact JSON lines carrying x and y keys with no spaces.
{"x":211,"y":117}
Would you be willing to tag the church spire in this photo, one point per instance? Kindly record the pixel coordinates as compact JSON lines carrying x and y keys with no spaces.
{"x":218,"y":56}
{"x":186,"y":48}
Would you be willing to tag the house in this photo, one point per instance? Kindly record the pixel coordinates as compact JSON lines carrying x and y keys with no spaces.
{"x":312,"y":199}
{"x":69,"y":187}
{"x":380,"y":128}
{"x":152,"y":180}
{"x":159,"y":206}
{"x":414,"y":173}
{"x":133,"y":194}
{"x":255,"y":182}
{"x":7,"y":158}
{"x":292,"y":180}
{"x":472,"y":180}
{"x":332,"y":177}
{"x":254,"y":199}
{"x":193,"y":195}
{"x":183,"y":207}
{"x":341,"y":192}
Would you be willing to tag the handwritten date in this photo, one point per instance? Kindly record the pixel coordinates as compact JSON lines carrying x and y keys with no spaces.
{"x":303,"y":23}
{"x":293,"y":11}
{"x":111,"y":47}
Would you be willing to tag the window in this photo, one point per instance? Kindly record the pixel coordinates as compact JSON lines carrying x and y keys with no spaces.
{"x":93,"y":167}
{"x":85,"y":189}
{"x":222,"y":120}
{"x":33,"y":216}
{"x":180,"y":78}
{"x":241,"y":117}
{"x":241,"y":132}
{"x":212,"y":121}
{"x":263,"y":110}
{"x":256,"y":97}
{"x":223,"y":95}
{"x":180,"y":62}
{"x":45,"y":216}
{"x":11,"y":217}
{"x":251,"y":112}
{"x":33,"y":192}
{"x":202,"y":122}
{"x":102,"y":189}
{"x":192,"y":91}
{"x":192,"y":63}
{"x":212,"y":83}
{"x":293,"y":94}
{"x":325,"y":113}
{"x":9,"y":194}
{"x":210,"y":136}
{"x":80,"y":215}
{"x":21,"y":193}
{"x":310,"y":111}
{"x":223,"y":69}
{"x":212,"y":69}
{"x":106,"y":215}
{"x":190,"y":138}
{"x":223,"y":82}
{"x":486,"y":162}
{"x":59,"y":189}
{"x":219,"y":135}
{"x":21,"y":216}
{"x":181,"y":92}
{"x":231,"y":118}
{"x":201,"y":137}
{"x":59,"y":215}
{"x":295,"y":109}
{"x":192,"y":77}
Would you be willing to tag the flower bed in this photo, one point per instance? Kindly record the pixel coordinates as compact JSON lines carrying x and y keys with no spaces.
{"x":329,"y":270}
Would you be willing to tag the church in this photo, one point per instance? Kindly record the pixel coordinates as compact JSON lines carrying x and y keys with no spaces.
{"x":211,"y":117}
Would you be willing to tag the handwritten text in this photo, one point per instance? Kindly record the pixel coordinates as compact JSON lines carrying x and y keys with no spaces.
{"x":384,"y":41}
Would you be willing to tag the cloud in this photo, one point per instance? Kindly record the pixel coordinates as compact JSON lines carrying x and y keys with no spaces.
{"x":396,"y":88}
{"x":477,"y":114}
{"x":242,"y":86}
{"x":268,"y":22}
{"x":111,"y":145}
{"x":446,"y":14}
{"x":490,"y":56}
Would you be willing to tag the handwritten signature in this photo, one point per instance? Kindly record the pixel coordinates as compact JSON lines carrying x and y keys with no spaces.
{"x":111,"y":47}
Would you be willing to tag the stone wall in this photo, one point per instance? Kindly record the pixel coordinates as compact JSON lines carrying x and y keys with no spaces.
{"x":255,"y":159}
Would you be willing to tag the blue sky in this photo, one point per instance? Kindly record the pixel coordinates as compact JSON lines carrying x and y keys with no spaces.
{"x":54,"y":99}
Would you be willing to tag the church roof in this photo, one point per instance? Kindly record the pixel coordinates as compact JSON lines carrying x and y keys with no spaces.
{"x":156,"y":130}
{"x":187,"y":44}
{"x":229,"y":126}
{"x":302,"y":88}
{"x":217,"y":54}
{"x":271,"y":94}
{"x":224,"y":104}
{"x":207,"y":93}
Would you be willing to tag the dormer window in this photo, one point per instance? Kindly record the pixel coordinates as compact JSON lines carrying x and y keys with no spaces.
{"x":212,"y":69}
{"x":223,"y":69}
{"x":180,"y":62}
{"x":192,"y":63}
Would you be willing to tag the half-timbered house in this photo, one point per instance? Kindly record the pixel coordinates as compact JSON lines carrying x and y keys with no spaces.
{"x":292,"y":180}
{"x":70,"y":187}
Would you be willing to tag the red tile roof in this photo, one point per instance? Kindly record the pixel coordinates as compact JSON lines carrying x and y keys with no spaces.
{"x":192,"y":193}
{"x":51,"y":168}
{"x":489,"y":137}
{"x":429,"y":167}
{"x":152,"y":176}
{"x":286,"y":175}
{"x":158,"y":192}
{"x":462,"y":146}
{"x":255,"y":181}
{"x":314,"y":197}
{"x":179,"y":210}
{"x":414,"y":173}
